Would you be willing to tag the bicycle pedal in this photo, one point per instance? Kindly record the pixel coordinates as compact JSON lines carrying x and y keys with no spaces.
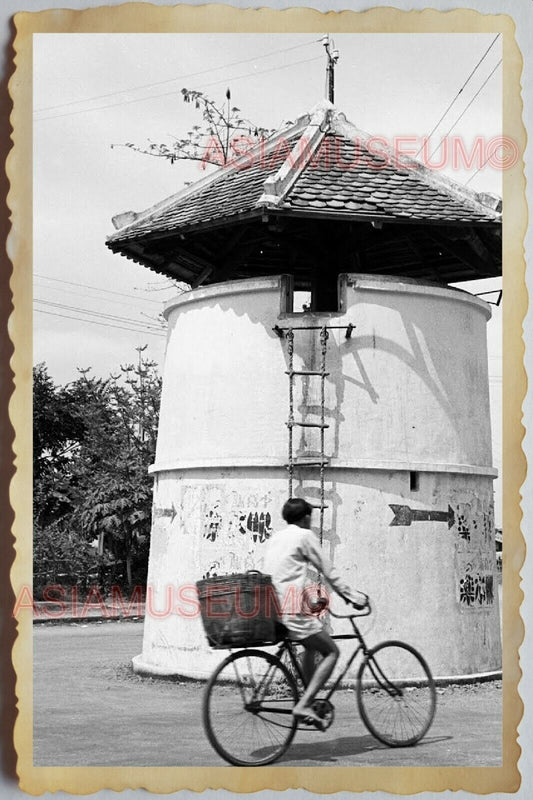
{"x":309,"y":722}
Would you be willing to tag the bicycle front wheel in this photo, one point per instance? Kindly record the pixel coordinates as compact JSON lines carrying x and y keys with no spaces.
{"x":247,"y":709}
{"x":396,"y":694}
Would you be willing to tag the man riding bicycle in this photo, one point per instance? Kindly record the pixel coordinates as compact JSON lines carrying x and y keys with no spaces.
{"x":289,"y":552}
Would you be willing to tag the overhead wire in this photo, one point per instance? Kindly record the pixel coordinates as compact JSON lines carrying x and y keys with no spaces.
{"x":177,"y":78}
{"x":98,"y":288}
{"x":461,"y":89}
{"x":478,"y":170}
{"x":99,"y":314}
{"x":103,"y":324}
{"x":487,"y":79}
{"x":63,"y":291}
{"x":177,"y":91}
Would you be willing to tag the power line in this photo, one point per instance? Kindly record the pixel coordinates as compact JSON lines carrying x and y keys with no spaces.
{"x":98,"y":288}
{"x":103,"y":324}
{"x":478,"y":170}
{"x":462,"y":87}
{"x":467,"y":107}
{"x":113,"y":317}
{"x":78,"y":293}
{"x":177,"y":91}
{"x":178,"y":78}
{"x":264,"y":71}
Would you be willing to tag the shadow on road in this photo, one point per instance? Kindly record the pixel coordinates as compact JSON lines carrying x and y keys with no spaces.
{"x":335,"y":749}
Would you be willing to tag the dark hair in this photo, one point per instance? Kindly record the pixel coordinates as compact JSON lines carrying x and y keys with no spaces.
{"x":296,"y":509}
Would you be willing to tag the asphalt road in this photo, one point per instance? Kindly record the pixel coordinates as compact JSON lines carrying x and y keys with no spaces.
{"x":91,"y":710}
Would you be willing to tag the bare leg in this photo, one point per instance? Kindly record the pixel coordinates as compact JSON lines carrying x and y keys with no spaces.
{"x":309,"y":663}
{"x":322,"y":643}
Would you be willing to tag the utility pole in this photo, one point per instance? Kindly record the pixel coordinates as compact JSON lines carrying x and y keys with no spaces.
{"x":140,"y":350}
{"x":333,"y":56}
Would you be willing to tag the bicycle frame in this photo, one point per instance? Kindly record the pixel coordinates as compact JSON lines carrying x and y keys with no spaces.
{"x":270,"y":684}
{"x":288,"y":646}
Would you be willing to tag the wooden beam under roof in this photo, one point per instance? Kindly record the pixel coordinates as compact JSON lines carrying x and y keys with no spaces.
{"x":462,"y":251}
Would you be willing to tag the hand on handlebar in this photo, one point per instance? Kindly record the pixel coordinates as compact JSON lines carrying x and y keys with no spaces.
{"x":363,"y":603}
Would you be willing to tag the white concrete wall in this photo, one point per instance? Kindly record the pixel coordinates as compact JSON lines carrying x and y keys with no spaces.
{"x":430,"y":584}
{"x":409,"y":387}
{"x":408,"y":392}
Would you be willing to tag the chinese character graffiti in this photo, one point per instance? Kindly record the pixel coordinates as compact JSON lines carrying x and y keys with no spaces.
{"x":476,"y":590}
{"x":212,"y":524}
{"x":258,"y":524}
{"x":464,"y":520}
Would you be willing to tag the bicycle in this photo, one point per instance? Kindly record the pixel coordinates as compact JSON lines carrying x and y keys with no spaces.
{"x":248,"y":701}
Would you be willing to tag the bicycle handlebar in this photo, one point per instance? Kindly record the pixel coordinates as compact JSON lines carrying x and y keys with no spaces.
{"x":364,"y":612}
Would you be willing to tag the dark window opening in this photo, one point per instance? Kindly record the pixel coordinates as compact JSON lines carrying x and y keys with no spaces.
{"x":414,"y":481}
{"x":325,"y":292}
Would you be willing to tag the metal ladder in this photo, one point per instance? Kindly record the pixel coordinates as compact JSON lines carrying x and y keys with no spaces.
{"x":322,"y":460}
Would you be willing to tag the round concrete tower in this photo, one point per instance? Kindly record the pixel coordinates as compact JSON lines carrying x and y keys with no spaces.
{"x":408,"y":483}
{"x":408,"y":476}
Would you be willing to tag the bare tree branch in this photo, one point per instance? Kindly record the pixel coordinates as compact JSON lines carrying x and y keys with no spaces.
{"x":220,"y":125}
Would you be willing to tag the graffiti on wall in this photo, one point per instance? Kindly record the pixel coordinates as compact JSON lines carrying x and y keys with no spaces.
{"x":475,"y":522}
{"x":476,"y":589}
{"x":464,"y":522}
{"x":470,"y":520}
{"x":258,"y":524}
{"x":254,"y":524}
{"x":215,"y":513}
{"x":404,"y":515}
{"x":212,"y":523}
{"x":475,"y":553}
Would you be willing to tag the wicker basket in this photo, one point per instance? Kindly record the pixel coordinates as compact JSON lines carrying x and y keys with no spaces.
{"x":239,"y":610}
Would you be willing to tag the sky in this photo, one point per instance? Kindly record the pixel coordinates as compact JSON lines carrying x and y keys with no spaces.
{"x":91,"y":91}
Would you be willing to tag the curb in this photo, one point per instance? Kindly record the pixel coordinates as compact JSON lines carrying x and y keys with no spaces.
{"x":150,"y":671}
{"x":92,"y":620}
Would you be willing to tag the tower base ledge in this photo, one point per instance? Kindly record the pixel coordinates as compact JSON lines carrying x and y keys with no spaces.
{"x":142,"y":667}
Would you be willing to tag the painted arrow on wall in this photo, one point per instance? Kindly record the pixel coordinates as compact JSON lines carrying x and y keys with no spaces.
{"x":403,"y":515}
{"x":165,"y":512}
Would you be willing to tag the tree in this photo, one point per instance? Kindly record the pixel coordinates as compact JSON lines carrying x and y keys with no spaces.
{"x":63,"y":420}
{"x":118,"y":503}
{"x":225,"y":133}
{"x":95,"y":439}
{"x":56,"y":426}
{"x":58,"y":429}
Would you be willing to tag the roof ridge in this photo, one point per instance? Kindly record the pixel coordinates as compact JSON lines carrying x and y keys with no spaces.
{"x":276,"y":186}
{"x":263,"y":147}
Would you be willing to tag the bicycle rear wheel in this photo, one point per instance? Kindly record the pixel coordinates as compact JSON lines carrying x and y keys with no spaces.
{"x":247,"y":710}
{"x":396,"y":694}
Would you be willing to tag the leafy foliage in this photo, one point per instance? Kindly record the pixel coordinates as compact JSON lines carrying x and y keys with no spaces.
{"x":64,"y":558}
{"x":94,"y":441}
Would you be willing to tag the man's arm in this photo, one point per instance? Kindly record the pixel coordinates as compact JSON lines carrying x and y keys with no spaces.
{"x":321,"y":562}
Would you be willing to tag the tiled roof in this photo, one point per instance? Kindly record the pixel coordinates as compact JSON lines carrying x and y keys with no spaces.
{"x":336,"y":175}
{"x":231,"y":191}
{"x":350,"y":180}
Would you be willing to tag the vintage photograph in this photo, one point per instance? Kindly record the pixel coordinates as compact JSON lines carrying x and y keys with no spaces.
{"x":267,"y":420}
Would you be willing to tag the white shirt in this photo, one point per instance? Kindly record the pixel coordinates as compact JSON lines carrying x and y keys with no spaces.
{"x":288,"y":554}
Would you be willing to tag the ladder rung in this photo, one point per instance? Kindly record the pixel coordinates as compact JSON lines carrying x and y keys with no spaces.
{"x":348,"y":326}
{"x":308,"y":463}
{"x":318,"y":505}
{"x":307,"y":372}
{"x":307,"y":424}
